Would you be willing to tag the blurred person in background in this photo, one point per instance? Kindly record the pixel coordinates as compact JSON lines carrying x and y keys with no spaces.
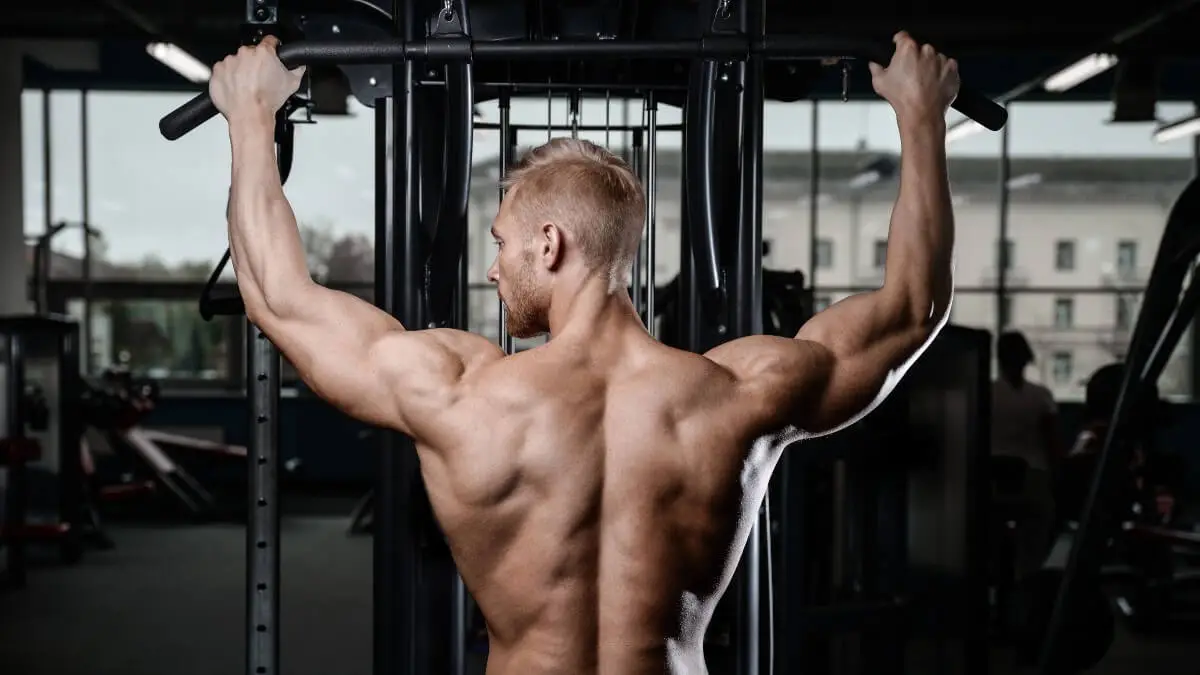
{"x":1025,"y":428}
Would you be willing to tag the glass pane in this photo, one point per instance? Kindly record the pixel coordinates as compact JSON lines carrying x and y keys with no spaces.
{"x":66,"y":179}
{"x":33,"y":163}
{"x":860,"y":157}
{"x":1087,"y":330}
{"x":1088,"y":203}
{"x":160,"y":206}
{"x":162,"y":339}
{"x":484,"y":314}
{"x":1105,"y":188}
{"x":974,"y":309}
{"x":787,"y":164}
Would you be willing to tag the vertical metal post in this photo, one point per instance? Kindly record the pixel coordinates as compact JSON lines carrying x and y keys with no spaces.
{"x":398,"y":624}
{"x":263,"y":542}
{"x":814,"y":195}
{"x":1194,"y":341}
{"x":47,"y":170}
{"x":639,"y":262}
{"x":507,"y":144}
{"x":651,"y":206}
{"x":460,"y":615}
{"x":574,"y":114}
{"x":70,"y":430}
{"x":15,"y":493}
{"x":460,"y":611}
{"x":747,"y":319}
{"x":1001,"y":247}
{"x":262,"y":536}
{"x":86,"y":208}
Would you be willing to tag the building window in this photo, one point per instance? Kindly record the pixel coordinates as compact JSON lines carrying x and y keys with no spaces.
{"x":1063,"y":364}
{"x":1064,"y":312}
{"x":1004,"y":254}
{"x":821,"y":303}
{"x":880,"y":253}
{"x":1126,"y":257}
{"x":1064,"y":255}
{"x":1126,"y":311}
{"x":824,"y":254}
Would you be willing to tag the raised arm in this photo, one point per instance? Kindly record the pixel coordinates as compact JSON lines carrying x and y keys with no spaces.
{"x":846,"y":359}
{"x":351,"y":353}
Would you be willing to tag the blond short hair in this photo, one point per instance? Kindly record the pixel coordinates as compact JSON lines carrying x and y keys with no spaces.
{"x":588,"y":191}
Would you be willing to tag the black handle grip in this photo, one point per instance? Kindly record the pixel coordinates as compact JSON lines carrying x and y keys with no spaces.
{"x":201,"y":109}
{"x":221,"y":306}
{"x":989,"y":114}
{"x":187,"y":117}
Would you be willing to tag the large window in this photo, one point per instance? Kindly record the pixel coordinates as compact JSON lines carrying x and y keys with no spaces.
{"x":1086,"y":227}
{"x":163,"y":339}
{"x":1087,"y":204}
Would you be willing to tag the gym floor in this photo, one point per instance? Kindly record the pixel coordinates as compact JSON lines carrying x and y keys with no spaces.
{"x":168,"y":598}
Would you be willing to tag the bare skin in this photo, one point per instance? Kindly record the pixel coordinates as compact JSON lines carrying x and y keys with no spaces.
{"x":597,"y":491}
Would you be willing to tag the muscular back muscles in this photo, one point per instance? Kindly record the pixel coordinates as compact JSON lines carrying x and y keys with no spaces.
{"x":596,"y":491}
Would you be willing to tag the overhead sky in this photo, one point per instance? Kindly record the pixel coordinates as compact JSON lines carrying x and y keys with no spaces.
{"x":154,"y":197}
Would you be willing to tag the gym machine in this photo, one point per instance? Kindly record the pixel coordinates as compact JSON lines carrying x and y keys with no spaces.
{"x":40,"y":447}
{"x":140,"y":461}
{"x":502,"y":49}
{"x":882,"y":528}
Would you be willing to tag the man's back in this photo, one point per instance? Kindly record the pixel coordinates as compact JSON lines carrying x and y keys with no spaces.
{"x":596,"y":491}
{"x":593,"y":504}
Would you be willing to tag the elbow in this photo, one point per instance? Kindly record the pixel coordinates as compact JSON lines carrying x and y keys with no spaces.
{"x":924,"y":304}
{"x":264,"y":305}
{"x":921,"y":313}
{"x":257,"y":312}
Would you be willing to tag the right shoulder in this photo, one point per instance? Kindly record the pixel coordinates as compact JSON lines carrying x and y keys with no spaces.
{"x":772,"y":378}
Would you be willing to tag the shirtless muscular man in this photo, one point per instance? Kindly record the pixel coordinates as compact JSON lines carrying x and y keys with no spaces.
{"x":596,"y":491}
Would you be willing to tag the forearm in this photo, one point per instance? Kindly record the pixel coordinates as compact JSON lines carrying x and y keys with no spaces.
{"x":264,"y":240}
{"x":918,"y":277}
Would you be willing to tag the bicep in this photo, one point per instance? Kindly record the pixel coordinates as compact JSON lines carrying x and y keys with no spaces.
{"x":865,"y":349}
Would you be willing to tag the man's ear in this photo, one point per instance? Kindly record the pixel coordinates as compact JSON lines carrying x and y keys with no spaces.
{"x":551,"y":242}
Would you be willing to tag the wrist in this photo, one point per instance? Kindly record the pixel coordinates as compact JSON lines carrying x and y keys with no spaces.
{"x":923,"y":124}
{"x":251,"y":121}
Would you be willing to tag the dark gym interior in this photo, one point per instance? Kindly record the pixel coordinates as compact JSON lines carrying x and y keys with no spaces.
{"x":141,"y":457}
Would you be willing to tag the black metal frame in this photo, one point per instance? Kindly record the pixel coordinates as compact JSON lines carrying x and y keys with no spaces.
{"x":711,"y":47}
{"x":262,"y":389}
{"x":419,"y":241}
{"x":400,"y":643}
{"x":19,"y":336}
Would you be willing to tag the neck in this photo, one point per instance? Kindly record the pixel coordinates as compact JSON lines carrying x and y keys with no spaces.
{"x":1013,"y":376}
{"x":589,"y":309}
